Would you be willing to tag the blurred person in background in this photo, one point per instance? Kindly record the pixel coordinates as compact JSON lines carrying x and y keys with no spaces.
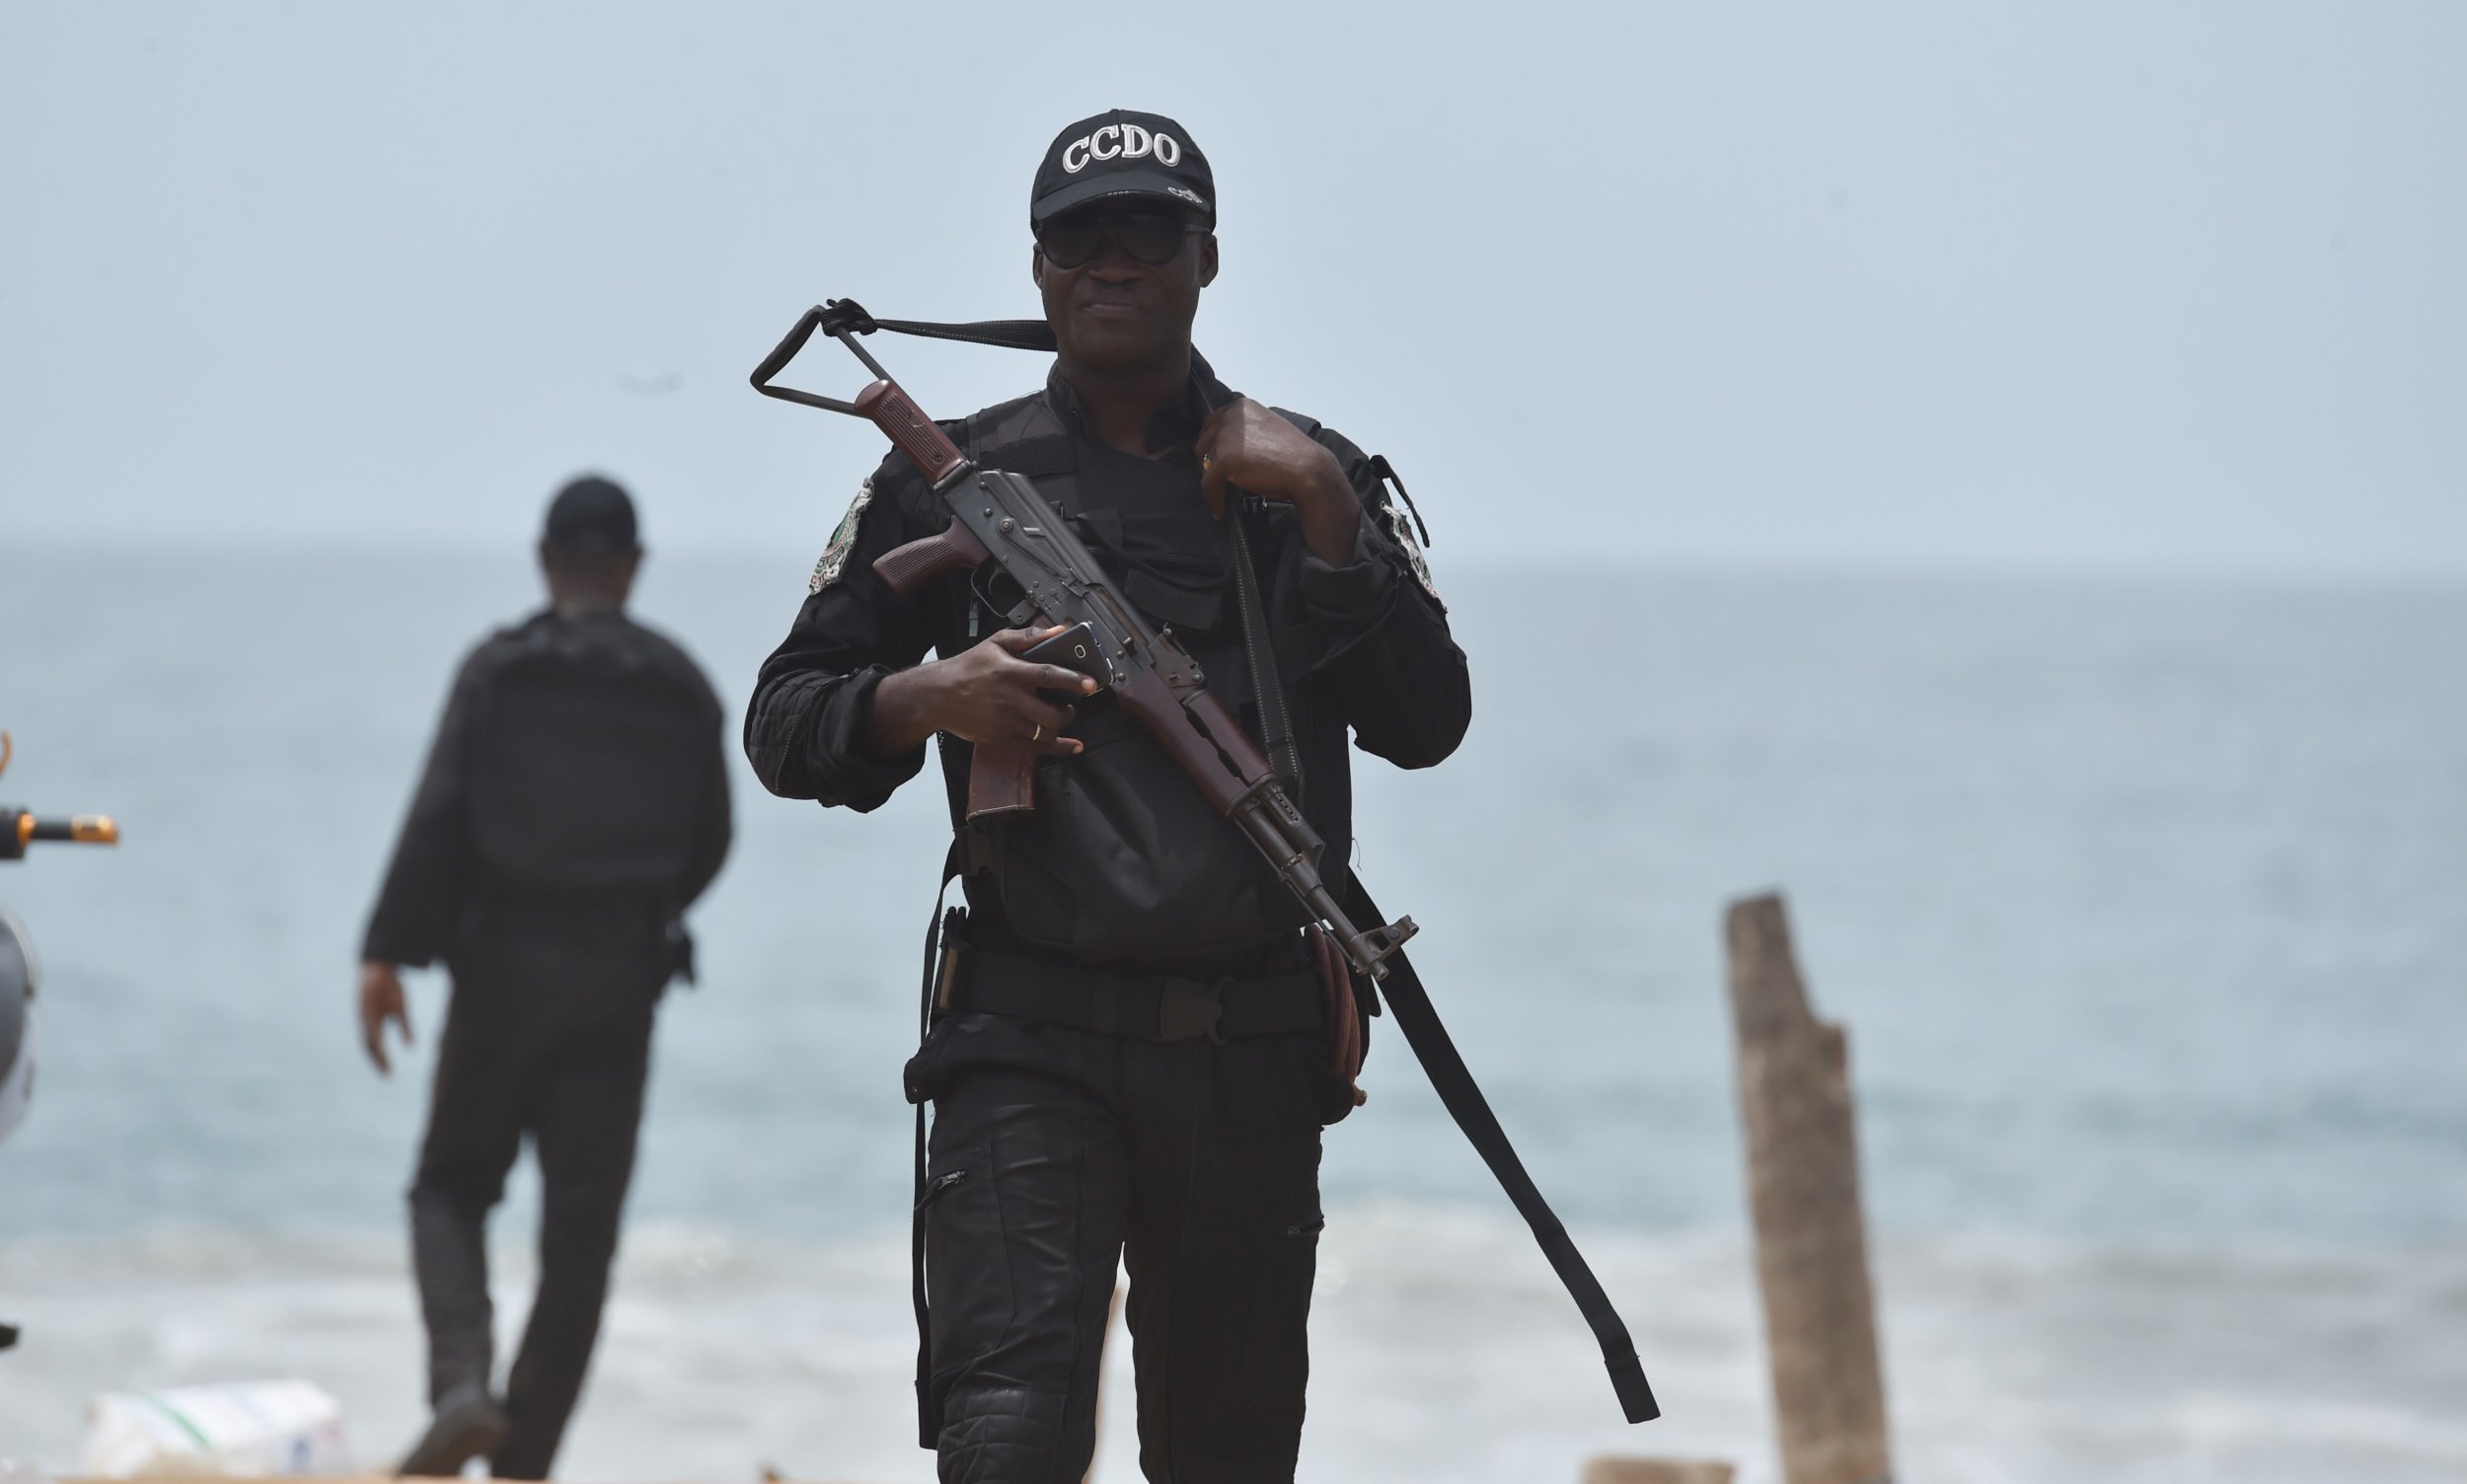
{"x":575,"y":803}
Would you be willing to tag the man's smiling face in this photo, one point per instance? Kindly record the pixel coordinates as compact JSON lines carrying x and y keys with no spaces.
{"x":1121,"y":281}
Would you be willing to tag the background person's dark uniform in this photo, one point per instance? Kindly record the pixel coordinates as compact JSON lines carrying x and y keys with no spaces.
{"x":1058,"y":1148}
{"x":575,"y":803}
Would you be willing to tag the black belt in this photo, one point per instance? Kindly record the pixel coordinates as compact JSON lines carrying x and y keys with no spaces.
{"x":1154,"y":1006}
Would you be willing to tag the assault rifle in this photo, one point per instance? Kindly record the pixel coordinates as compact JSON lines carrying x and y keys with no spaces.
{"x":998,"y":518}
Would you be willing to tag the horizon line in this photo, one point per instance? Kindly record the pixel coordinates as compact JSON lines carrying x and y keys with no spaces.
{"x":1475,"y":565}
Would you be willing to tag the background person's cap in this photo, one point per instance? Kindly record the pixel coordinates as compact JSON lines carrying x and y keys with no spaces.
{"x":1122,"y":153}
{"x":590,"y":514}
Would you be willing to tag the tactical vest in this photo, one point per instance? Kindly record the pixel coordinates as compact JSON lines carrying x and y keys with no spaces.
{"x":587,"y":768}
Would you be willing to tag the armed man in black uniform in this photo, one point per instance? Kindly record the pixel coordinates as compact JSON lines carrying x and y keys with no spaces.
{"x":575,"y":804}
{"x":1084,"y":1113}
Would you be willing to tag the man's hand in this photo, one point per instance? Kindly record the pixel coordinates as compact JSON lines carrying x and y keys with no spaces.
{"x":381,"y":1001}
{"x":987,"y":693}
{"x":1244,"y":444}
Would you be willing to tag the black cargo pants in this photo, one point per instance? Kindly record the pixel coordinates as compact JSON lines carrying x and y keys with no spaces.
{"x":1057,"y":1151}
{"x":549,"y":1036}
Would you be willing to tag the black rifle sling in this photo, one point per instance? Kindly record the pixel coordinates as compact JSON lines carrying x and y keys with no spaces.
{"x":1267,"y":687}
{"x":1457,"y":1089}
{"x":1013,"y":334}
{"x":1415,"y":1016}
{"x":1275,"y":718}
{"x":929,"y":1423}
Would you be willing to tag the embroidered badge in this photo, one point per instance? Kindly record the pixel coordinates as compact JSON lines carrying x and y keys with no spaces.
{"x":1400,"y":531}
{"x":843,"y":540}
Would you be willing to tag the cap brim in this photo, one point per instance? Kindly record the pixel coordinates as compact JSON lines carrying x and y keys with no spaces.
{"x":1119,"y":183}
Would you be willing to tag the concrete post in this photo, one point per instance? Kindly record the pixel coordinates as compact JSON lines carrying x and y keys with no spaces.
{"x":1803,"y":1189}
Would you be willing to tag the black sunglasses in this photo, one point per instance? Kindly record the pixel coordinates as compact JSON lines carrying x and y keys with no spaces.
{"x":1153,"y":238}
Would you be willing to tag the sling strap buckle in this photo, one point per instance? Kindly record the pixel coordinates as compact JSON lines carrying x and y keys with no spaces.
{"x":1187,"y":1009}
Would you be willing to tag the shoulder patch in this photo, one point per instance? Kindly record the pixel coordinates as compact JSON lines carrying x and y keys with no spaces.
{"x":843,"y":540}
{"x":1400,"y":531}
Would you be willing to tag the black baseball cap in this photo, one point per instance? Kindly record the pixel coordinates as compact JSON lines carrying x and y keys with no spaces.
{"x":591,"y":514}
{"x":1122,"y":153}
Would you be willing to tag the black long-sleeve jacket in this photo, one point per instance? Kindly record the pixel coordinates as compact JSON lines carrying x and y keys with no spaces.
{"x":1363,"y":647}
{"x":629,"y":707}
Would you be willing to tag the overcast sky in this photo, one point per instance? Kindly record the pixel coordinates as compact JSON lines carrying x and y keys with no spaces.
{"x":2082,"y":287}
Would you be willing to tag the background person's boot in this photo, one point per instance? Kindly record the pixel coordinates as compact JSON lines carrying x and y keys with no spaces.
{"x":469,"y":1423}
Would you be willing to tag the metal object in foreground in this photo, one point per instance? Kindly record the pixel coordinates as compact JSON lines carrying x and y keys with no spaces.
{"x":21,"y":974}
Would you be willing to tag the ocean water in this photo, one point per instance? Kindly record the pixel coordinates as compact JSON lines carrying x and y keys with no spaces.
{"x":2145,"y":905}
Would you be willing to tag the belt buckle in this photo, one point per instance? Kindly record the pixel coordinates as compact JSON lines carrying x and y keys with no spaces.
{"x":1188,"y":1010}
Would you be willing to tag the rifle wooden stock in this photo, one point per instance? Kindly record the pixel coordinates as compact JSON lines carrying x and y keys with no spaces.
{"x":914,"y":434}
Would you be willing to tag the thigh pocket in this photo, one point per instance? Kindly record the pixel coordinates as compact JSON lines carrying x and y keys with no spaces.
{"x":967,"y":1270}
